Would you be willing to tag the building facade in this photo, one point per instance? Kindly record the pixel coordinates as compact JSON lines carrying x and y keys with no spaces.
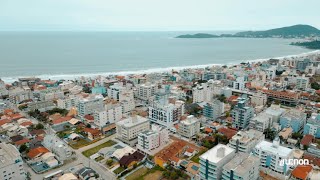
{"x":242,"y":114}
{"x":189,"y":127}
{"x":129,"y":129}
{"x":11,"y":163}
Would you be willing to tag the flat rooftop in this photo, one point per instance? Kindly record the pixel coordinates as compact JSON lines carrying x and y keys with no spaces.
{"x":268,"y":146}
{"x":241,"y":163}
{"x":211,"y":154}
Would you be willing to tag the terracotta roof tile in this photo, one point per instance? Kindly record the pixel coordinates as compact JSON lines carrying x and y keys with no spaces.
{"x":302,"y":171}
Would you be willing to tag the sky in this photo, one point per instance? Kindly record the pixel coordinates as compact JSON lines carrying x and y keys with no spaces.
{"x":155,"y":15}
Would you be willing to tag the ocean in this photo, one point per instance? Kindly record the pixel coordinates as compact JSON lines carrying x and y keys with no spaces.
{"x":59,"y":55}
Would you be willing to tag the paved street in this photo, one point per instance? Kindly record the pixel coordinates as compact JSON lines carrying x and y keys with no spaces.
{"x":81,"y":159}
{"x":103,"y":172}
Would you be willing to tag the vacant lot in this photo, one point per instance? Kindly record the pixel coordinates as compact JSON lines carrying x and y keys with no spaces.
{"x":138,"y":174}
{"x":153,"y":176}
{"x":94,"y":150}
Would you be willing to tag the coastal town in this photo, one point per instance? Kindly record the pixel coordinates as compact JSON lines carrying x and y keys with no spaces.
{"x":253,"y":120}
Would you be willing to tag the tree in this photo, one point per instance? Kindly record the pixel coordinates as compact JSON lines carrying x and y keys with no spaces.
{"x":23,"y":148}
{"x":88,"y":125}
{"x":39,"y":126}
{"x":297,"y":135}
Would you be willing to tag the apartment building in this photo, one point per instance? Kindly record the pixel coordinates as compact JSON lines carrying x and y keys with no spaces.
{"x":202,"y":93}
{"x":151,"y":141}
{"x":129,"y":129}
{"x":245,"y":141}
{"x":294,"y":118}
{"x":90,"y":104}
{"x":302,"y":82}
{"x":58,"y":147}
{"x":189,"y":127}
{"x":11,"y":163}
{"x":242,"y":166}
{"x":240,"y":83}
{"x":164,"y":113}
{"x":19,"y":94}
{"x":270,"y":155}
{"x":145,"y":91}
{"x":242,"y":114}
{"x":261,"y":122}
{"x":213,"y":110}
{"x":111,"y":114}
{"x":212,"y":161}
{"x":312,"y":126}
{"x":3,"y":89}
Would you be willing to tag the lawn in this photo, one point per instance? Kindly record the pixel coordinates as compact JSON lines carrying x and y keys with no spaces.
{"x":100,"y":158}
{"x":138,"y":174}
{"x":196,"y":158}
{"x":94,"y":150}
{"x":118,"y":170}
{"x":79,"y":144}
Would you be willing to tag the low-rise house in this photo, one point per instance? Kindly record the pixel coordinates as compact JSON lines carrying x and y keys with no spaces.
{"x":87,"y":173}
{"x":285,"y":133}
{"x":37,"y":152}
{"x":306,"y":141}
{"x":92,"y":134}
{"x":131,"y":159}
{"x":301,"y":172}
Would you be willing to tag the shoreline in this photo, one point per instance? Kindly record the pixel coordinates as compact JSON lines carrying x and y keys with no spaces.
{"x":152,"y":70}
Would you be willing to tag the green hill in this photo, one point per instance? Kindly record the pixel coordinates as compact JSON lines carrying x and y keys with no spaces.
{"x":308,"y":44}
{"x":285,"y":32}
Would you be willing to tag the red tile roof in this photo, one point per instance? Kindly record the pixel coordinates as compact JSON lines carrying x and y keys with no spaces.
{"x":307,"y":140}
{"x":4,"y":121}
{"x":227,"y":132}
{"x":89,"y":117}
{"x":23,"y":141}
{"x":26,"y":124}
{"x":302,"y":171}
{"x":92,"y":131}
{"x":61,"y":120}
{"x":208,"y":130}
{"x":36,"y":152}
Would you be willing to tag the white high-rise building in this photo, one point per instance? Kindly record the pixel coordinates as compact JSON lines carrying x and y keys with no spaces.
{"x":3,"y":89}
{"x":151,"y":141}
{"x":58,"y":147}
{"x":111,"y":114}
{"x":11,"y":163}
{"x":90,"y":104}
{"x":212,"y":161}
{"x":202,"y":93}
{"x":189,"y":127}
{"x":242,"y":166}
{"x":166,"y":114}
{"x":129,"y":129}
{"x":239,"y":84}
{"x":245,"y":141}
{"x":67,"y":103}
{"x":271,"y":154}
{"x":123,"y":94}
{"x":145,"y":91}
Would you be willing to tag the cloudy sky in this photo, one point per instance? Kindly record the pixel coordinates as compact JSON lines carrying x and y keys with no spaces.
{"x":162,"y":15}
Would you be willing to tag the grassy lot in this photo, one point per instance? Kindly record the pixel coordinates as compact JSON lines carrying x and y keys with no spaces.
{"x":153,"y":176}
{"x":138,"y":174}
{"x":79,"y":144}
{"x":94,"y":150}
{"x":99,"y":158}
{"x":118,"y":170}
{"x":196,"y":158}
